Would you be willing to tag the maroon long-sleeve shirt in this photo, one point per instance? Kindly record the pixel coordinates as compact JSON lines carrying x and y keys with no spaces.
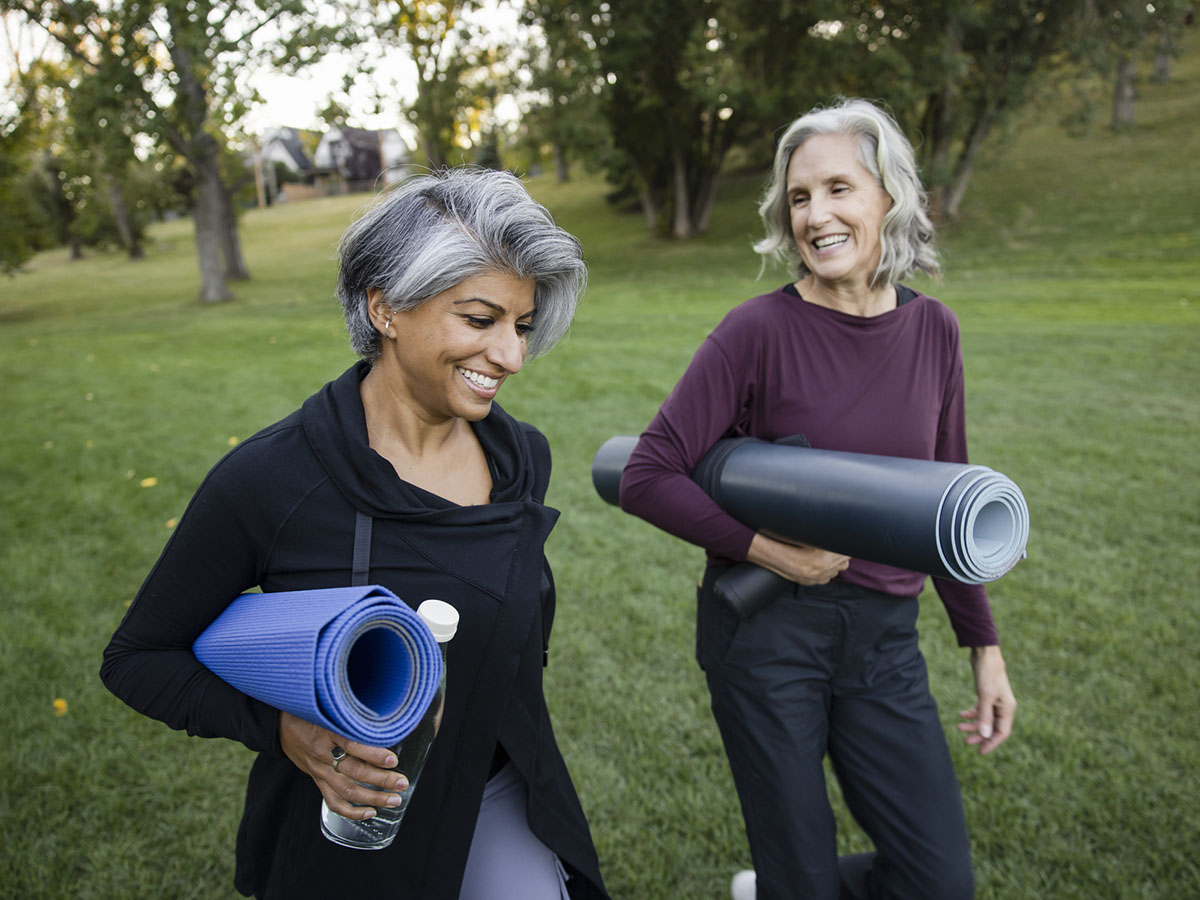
{"x":778,"y":365}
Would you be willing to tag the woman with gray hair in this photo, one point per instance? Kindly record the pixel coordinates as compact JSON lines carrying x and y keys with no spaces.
{"x":853,"y":360}
{"x":403,"y":472}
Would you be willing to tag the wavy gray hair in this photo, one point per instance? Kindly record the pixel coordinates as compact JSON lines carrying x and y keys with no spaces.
{"x":431,"y":232}
{"x":906,"y":235}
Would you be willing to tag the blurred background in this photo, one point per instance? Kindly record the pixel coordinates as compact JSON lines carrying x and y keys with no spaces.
{"x":174,"y":178}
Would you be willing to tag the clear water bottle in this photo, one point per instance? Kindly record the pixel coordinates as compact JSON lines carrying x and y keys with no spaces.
{"x":379,"y":831}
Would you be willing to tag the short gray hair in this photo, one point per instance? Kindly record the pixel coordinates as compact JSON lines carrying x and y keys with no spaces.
{"x":906,"y":235}
{"x":429,"y":233}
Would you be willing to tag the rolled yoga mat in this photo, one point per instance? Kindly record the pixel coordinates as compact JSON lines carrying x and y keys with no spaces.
{"x":357,"y":660}
{"x":953,"y":520}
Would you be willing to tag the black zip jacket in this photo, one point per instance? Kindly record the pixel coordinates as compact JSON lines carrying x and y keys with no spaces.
{"x":279,"y":512}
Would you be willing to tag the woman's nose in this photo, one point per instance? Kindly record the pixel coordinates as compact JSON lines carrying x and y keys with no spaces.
{"x":508,"y":351}
{"x":818,"y":210}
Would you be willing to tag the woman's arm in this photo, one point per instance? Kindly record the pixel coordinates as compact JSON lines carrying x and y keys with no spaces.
{"x":796,"y":562}
{"x":656,"y":484}
{"x":989,"y":723}
{"x":149,"y":663}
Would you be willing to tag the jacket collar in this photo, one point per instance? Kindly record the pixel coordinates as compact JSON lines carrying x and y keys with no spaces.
{"x":335,"y":425}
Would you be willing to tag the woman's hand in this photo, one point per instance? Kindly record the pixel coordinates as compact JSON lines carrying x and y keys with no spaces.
{"x":796,"y":562}
{"x":990,"y":722}
{"x":310,"y":747}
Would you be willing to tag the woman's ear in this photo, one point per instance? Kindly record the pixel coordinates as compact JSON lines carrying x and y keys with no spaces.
{"x":377,"y":309}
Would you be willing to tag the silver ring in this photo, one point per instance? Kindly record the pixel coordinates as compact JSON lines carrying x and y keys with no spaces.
{"x":338,"y":755}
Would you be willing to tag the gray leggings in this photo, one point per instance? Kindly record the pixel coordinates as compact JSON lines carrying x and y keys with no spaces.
{"x":507,"y":861}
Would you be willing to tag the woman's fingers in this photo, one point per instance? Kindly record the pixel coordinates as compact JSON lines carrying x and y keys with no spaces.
{"x":357,"y":770}
{"x":796,"y":562}
{"x":350,"y":788}
{"x":356,"y":801}
{"x":989,"y":724}
{"x":376,"y":756}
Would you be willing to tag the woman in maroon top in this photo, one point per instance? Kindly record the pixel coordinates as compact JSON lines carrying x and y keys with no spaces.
{"x":854,"y":361}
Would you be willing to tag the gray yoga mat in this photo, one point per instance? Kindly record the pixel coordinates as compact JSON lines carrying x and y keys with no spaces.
{"x":954,"y":520}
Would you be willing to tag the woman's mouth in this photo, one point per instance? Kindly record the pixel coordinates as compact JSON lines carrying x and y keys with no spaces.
{"x":483,"y":384}
{"x":830,"y":240}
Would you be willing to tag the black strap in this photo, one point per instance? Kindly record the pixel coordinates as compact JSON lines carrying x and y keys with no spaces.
{"x":362,"y":549}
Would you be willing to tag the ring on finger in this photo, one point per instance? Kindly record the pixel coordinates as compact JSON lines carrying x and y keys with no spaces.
{"x":338,"y":755}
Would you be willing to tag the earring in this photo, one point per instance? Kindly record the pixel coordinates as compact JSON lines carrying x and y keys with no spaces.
{"x":387,"y":326}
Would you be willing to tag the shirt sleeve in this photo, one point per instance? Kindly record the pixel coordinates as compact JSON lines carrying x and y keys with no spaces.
{"x":656,"y":484}
{"x":966,"y":604}
{"x":209,"y":560}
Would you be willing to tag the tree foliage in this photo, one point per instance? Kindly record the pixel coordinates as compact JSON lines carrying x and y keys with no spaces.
{"x":1113,"y":36}
{"x":688,"y":80}
{"x":448,"y":52}
{"x":564,"y":81}
{"x":662,"y":94}
{"x":170,"y":71}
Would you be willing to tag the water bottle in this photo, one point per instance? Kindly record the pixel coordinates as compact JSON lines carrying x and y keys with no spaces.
{"x":378,"y":832}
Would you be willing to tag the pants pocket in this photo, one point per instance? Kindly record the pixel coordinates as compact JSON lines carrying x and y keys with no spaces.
{"x":716,"y":626}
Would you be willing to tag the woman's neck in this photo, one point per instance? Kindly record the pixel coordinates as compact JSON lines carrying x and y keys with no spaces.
{"x":395,"y":420}
{"x":441,"y":456}
{"x":855,"y":300}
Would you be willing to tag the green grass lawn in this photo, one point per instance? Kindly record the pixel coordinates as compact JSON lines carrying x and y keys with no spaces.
{"x":1075,"y":276}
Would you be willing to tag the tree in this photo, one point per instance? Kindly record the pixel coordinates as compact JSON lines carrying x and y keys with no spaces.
{"x":438,"y":39}
{"x":565,"y":79}
{"x":1114,"y":35}
{"x":974,"y":64}
{"x":171,"y":67}
{"x":33,"y":211}
{"x":690,"y":79}
{"x":24,"y":225}
{"x":662,"y":107}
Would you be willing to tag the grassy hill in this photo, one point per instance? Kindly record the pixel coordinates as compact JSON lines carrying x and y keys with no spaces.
{"x":1074,"y":275}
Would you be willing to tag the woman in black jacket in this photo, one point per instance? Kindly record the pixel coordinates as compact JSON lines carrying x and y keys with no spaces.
{"x":406,"y":473}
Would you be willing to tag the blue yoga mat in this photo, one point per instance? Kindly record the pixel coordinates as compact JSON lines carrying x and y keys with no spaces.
{"x":356,"y":660}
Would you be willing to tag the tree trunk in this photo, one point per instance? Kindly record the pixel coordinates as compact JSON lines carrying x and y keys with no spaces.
{"x":200,"y":149}
{"x":130,"y":239}
{"x":260,"y":187}
{"x":964,"y":167}
{"x":231,"y":242}
{"x":1162,"y":58}
{"x":722,"y":135}
{"x":433,"y":154}
{"x":76,"y":248}
{"x":940,"y":110}
{"x":681,"y":223}
{"x":1124,"y":92}
{"x":649,"y":207}
{"x":209,"y":225}
{"x":706,"y":199}
{"x":562,"y":171}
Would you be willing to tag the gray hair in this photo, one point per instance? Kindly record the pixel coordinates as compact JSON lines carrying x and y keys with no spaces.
{"x":906,"y":235}
{"x":429,"y":233}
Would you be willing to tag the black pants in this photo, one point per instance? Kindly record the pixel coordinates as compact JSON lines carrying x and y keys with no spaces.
{"x":835,"y":669}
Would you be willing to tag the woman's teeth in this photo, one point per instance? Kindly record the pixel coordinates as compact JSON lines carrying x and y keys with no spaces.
{"x":821,"y":243}
{"x":479,"y":378}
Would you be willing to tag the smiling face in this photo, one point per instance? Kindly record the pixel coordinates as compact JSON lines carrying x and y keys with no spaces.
{"x":451,"y":354}
{"x":837,"y":208}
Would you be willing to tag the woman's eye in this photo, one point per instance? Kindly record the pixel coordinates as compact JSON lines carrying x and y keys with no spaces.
{"x":525,"y":328}
{"x":479,"y":321}
{"x":799,"y":200}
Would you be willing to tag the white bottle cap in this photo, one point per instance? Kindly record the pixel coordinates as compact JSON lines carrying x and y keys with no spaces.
{"x":441,"y":617}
